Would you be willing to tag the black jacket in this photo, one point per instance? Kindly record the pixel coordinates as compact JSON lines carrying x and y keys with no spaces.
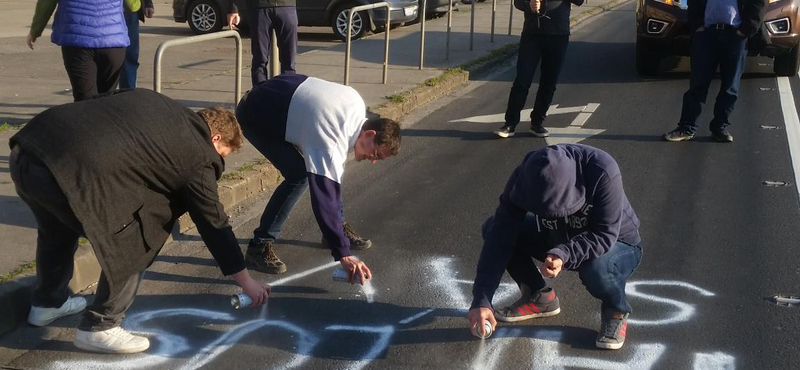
{"x":553,"y":17}
{"x":750,"y":11}
{"x":128,"y":173}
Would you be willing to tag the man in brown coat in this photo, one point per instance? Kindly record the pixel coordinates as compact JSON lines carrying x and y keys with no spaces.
{"x":121,"y":175}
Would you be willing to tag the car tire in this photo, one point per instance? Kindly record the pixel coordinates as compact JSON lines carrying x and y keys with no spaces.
{"x":361,"y":22}
{"x":786,"y":65}
{"x":646,"y":63}
{"x":204,"y":17}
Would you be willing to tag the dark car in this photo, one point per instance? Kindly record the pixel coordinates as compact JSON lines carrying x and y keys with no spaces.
{"x":206,"y":16}
{"x":661,"y":30}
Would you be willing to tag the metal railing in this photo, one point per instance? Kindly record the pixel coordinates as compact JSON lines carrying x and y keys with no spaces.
{"x":350,"y":34}
{"x":195,"y":39}
{"x":421,"y":14}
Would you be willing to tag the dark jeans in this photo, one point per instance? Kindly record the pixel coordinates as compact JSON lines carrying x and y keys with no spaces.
{"x":283,"y":20}
{"x":92,"y":71}
{"x":604,"y":277}
{"x":551,"y":51}
{"x":127,"y":77}
{"x":58,"y":233}
{"x":288,"y":160}
{"x":711,"y":48}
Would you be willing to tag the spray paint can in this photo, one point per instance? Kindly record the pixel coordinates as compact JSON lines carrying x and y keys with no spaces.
{"x":340,"y":274}
{"x":487,"y":326}
{"x":240,"y":300}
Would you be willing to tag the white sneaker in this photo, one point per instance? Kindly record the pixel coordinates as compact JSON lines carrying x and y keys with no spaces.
{"x":114,"y":340}
{"x":41,"y":316}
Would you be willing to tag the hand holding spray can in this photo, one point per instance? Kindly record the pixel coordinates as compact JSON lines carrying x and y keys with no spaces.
{"x":240,"y":300}
{"x":340,"y":274}
{"x":487,"y":327}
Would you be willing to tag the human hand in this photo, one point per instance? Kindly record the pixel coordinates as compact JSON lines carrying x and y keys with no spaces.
{"x":31,"y":40}
{"x":257,"y":291}
{"x":536,"y":5}
{"x":551,"y":266}
{"x":233,"y":20}
{"x":148,"y":12}
{"x":357,"y":269}
{"x":477,"y":316}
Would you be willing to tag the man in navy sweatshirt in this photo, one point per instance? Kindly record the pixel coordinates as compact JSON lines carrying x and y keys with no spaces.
{"x":306,"y":126}
{"x":564,"y":206}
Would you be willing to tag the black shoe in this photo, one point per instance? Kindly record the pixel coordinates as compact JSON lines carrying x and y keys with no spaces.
{"x":542,"y":303}
{"x":356,"y":241}
{"x":539,"y":131}
{"x":505,"y":131}
{"x":261,"y":257}
{"x":722,"y":136}
{"x":678,"y":134}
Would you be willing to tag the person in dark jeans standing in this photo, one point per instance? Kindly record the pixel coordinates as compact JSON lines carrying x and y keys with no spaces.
{"x":721,"y":30}
{"x":564,"y":206}
{"x":130,"y":67}
{"x":265,"y":16}
{"x":545,"y":36}
{"x":92,"y":42}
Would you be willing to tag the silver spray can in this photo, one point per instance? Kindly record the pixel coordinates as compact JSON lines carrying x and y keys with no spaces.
{"x":240,"y":300}
{"x":487,"y":326}
{"x":340,"y":274}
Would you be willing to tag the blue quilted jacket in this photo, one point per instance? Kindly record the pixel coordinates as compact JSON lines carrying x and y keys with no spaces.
{"x":91,"y":24}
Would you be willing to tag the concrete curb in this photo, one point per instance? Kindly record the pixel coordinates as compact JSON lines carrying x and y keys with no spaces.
{"x":15,"y":294}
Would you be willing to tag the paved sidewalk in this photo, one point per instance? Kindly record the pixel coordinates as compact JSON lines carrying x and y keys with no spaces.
{"x":203,"y":75}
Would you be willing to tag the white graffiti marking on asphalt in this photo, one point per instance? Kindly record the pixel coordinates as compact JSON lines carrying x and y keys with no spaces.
{"x":384,"y":336}
{"x":714,"y":361}
{"x":685,"y":310}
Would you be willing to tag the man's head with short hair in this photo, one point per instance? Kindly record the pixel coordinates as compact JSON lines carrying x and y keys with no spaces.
{"x":379,"y":139}
{"x":226,"y":134}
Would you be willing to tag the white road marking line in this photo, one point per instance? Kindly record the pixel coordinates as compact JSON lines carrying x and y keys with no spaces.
{"x":792,"y":127}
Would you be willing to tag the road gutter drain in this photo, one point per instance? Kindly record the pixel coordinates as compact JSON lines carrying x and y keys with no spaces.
{"x":775,"y":183}
{"x":785,"y":300}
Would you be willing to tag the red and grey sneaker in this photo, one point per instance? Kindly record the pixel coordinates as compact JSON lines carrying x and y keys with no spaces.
{"x":613,"y":328}
{"x":540,"y":304}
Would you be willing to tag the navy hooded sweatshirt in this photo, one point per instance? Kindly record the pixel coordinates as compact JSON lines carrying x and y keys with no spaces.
{"x":575,"y":192}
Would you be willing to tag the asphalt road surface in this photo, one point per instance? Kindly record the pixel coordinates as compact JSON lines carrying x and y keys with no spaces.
{"x":717,"y":243}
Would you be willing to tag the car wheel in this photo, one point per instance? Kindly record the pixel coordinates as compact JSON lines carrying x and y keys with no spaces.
{"x":787,"y":64}
{"x":205,"y":17}
{"x":339,"y":23}
{"x":646,"y":64}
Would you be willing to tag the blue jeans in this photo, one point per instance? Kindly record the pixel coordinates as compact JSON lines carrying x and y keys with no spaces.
{"x":127,"y":78}
{"x":551,"y":51}
{"x":604,"y":277}
{"x":283,"y":19}
{"x":288,"y":160}
{"x":714,"y":47}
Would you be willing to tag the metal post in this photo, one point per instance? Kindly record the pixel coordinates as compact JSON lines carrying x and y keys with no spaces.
{"x":494,"y":14}
{"x":449,"y":27}
{"x":510,"y":17}
{"x":195,"y":39}
{"x":350,"y":34}
{"x":422,"y":32}
{"x":274,"y":57}
{"x":472,"y":24}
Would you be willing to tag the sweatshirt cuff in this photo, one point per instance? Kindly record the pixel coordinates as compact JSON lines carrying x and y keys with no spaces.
{"x":560,"y":253}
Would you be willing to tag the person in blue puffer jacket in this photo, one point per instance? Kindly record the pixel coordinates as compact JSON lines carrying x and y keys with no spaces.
{"x":93,"y":38}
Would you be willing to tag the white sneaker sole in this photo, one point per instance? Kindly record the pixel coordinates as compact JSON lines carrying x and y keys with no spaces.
{"x":504,"y":134}
{"x":97,"y":349}
{"x":528,"y":317}
{"x":604,"y":345}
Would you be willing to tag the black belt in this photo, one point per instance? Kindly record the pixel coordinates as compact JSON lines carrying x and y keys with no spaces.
{"x":721,"y":26}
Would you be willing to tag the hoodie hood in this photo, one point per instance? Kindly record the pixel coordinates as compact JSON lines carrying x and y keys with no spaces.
{"x":549,"y":183}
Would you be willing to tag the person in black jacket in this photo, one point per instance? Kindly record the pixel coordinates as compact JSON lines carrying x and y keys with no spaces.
{"x":265,"y":16}
{"x":721,"y":30}
{"x":121,"y":176}
{"x":545,"y":36}
{"x":564,"y":206}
